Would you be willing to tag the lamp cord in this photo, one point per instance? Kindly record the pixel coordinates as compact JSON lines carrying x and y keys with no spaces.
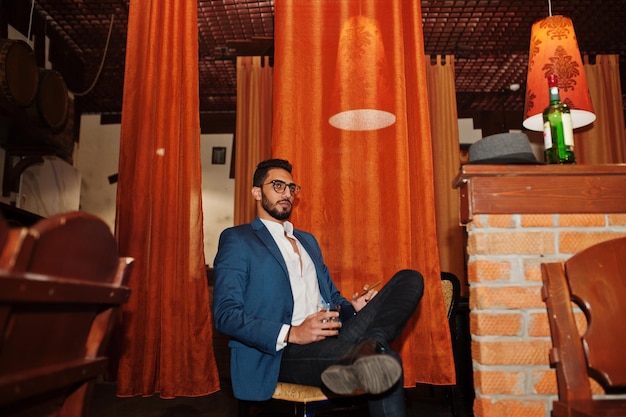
{"x":106,"y":48}
{"x":30,"y":21}
{"x":549,"y":8}
{"x":104,"y":55}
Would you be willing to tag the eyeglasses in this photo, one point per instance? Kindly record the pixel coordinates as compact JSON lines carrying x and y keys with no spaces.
{"x":280,"y":186}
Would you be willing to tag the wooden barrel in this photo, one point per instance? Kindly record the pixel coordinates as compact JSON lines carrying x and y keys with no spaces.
{"x":19,"y":74}
{"x":52,"y":99}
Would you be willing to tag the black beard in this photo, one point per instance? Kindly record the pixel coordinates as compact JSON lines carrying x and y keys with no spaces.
{"x":273,"y":211}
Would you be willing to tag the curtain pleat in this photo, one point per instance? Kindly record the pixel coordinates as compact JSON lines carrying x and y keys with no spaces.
{"x":604,"y":142}
{"x":446,"y":161}
{"x":253,"y":137}
{"x":368,"y":196}
{"x":166,"y":345}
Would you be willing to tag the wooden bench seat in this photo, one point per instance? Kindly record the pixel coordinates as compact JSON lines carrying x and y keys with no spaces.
{"x":61,"y":282}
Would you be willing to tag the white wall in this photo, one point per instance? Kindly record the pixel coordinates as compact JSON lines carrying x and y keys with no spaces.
{"x":467,"y":133}
{"x":218,"y":192}
{"x":97,"y":158}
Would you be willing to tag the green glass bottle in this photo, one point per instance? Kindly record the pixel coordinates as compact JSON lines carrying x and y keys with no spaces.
{"x":558,"y":133}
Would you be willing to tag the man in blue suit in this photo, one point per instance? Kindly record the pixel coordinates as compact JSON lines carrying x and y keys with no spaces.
{"x":269,"y":282}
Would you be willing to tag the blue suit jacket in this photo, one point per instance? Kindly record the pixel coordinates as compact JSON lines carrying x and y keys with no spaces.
{"x":252,"y":300}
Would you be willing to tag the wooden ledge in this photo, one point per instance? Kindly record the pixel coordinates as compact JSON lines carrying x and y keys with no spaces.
{"x":540,"y":189}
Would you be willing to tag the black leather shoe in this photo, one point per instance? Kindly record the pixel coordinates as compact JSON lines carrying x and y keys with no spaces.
{"x":364,"y":369}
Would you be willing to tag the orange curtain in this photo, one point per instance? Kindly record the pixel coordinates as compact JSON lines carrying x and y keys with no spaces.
{"x":368,"y":196}
{"x":167,"y":329}
{"x":446,"y":161}
{"x":253,"y":137}
{"x":604,"y":142}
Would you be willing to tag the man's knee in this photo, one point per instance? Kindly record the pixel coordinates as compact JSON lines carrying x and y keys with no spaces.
{"x":412,"y":281}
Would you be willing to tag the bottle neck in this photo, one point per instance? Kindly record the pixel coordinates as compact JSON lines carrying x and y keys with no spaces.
{"x":554,"y":95}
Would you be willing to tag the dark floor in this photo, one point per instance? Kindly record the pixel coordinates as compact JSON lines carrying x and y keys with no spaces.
{"x":421,"y":402}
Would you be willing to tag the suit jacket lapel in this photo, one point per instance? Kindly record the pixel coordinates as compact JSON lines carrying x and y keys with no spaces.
{"x":266,"y":237}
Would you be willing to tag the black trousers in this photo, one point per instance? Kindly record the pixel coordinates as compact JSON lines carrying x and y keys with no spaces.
{"x":382,"y":319}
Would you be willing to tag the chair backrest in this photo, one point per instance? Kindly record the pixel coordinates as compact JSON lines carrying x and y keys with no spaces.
{"x":59,"y":290}
{"x":11,"y":239}
{"x":451,"y":287}
{"x":595,"y":280}
{"x":73,"y":245}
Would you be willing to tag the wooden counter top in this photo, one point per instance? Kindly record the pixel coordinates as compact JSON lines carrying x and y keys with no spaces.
{"x":545,"y":189}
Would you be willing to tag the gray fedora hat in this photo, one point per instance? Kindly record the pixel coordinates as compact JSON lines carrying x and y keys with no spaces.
{"x":502,"y":149}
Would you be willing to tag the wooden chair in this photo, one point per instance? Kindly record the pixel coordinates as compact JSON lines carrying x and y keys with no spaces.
{"x":595,"y":280}
{"x":58,"y":294}
{"x":73,"y":245}
{"x":307,"y":401}
{"x":11,"y":239}
{"x":451,"y":287}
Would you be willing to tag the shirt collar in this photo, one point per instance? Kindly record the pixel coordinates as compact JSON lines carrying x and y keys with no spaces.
{"x":288,"y":228}
{"x":277,"y":229}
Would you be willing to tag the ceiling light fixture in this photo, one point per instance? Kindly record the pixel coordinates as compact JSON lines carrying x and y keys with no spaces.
{"x":362,"y":98}
{"x":554,"y":50}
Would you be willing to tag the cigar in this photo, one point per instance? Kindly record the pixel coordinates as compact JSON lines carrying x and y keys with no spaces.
{"x":371,"y":287}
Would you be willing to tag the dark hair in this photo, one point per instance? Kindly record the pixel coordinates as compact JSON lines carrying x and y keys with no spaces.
{"x":260,"y":175}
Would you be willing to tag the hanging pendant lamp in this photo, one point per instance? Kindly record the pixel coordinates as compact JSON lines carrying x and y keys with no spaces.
{"x":554,"y":50}
{"x":362,"y":96}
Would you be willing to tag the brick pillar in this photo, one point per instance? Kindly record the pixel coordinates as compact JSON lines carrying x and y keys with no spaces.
{"x":513,"y":225}
{"x":508,"y":322}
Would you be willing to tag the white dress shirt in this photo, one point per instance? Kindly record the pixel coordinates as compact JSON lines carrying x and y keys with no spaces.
{"x":302,"y":276}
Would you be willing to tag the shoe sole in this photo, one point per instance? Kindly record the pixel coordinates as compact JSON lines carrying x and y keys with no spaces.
{"x":371,"y":374}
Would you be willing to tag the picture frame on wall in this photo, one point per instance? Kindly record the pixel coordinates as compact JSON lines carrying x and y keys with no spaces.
{"x":218,"y":155}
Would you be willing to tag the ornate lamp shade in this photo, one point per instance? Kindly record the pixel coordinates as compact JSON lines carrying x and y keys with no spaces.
{"x":362,"y":98}
{"x":554,"y":50}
